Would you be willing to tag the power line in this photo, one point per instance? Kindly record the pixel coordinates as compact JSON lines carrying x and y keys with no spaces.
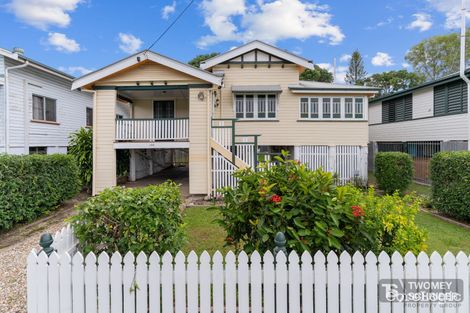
{"x":171,"y":25}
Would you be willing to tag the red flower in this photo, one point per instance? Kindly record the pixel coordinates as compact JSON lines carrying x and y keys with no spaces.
{"x":357,"y":211}
{"x":276,"y":199}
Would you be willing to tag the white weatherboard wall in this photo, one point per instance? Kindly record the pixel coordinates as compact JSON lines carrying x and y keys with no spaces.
{"x":423,"y":102}
{"x":71,"y":110}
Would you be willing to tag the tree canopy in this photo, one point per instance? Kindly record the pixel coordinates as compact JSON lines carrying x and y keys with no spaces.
{"x":436,"y":56}
{"x":356,"y":71}
{"x":318,"y":74}
{"x":196,"y":62}
{"x":394,"y":81}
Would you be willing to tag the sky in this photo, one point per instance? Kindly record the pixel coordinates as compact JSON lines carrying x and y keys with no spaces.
{"x":79,"y":36}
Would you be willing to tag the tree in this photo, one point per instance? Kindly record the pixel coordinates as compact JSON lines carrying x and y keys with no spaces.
{"x":356,"y":72}
{"x":196,"y":62}
{"x":318,"y":74}
{"x":394,"y":81}
{"x":436,"y":56}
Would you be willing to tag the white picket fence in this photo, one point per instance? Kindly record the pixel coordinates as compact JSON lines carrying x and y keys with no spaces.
{"x":65,"y":241}
{"x":240,"y":283}
{"x":348,"y":162}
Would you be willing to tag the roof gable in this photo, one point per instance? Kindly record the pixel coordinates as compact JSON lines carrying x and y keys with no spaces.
{"x":256,"y":45}
{"x":141,"y":57}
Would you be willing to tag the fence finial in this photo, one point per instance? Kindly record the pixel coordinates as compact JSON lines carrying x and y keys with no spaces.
{"x":45,"y":242}
{"x":280,"y":242}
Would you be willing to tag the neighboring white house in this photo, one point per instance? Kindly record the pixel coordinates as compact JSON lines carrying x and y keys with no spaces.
{"x":421,"y":121}
{"x":38,"y":109}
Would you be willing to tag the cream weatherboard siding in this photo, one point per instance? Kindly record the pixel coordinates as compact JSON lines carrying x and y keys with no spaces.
{"x":199,"y":152}
{"x":286,"y":129}
{"x":70,"y":110}
{"x":104,"y":154}
{"x":143,"y":108}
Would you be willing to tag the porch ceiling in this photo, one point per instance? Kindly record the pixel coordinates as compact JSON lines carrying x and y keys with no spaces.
{"x":154,"y":94}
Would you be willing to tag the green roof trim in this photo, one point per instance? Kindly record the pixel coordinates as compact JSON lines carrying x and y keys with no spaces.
{"x":443,"y":80}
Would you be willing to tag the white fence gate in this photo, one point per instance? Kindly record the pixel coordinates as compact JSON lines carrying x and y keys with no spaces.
{"x":348,"y":162}
{"x":222,"y":170}
{"x":256,"y":283}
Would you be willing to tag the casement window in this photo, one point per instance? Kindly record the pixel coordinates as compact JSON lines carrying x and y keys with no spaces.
{"x":398,"y":109}
{"x":44,"y":109}
{"x":450,"y":98}
{"x":255,"y":106}
{"x":343,"y":108}
{"x":89,"y":117}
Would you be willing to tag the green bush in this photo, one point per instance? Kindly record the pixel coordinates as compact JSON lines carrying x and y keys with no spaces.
{"x":295,"y":200}
{"x":127,"y":219}
{"x":31,"y":185}
{"x":390,"y":218}
{"x":450,"y":176}
{"x":81,"y":148}
{"x":394,"y":171}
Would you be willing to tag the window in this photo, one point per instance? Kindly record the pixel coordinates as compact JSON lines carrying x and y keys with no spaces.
{"x":337,"y":108}
{"x":44,"y":109}
{"x":304,"y":107}
{"x":89,"y":117}
{"x":398,"y":109}
{"x":359,"y":108}
{"x":119,"y":117}
{"x":256,"y":106}
{"x":450,"y":98}
{"x":314,"y":107}
{"x":37,"y":150}
{"x":348,"y":108}
{"x":326,"y":108}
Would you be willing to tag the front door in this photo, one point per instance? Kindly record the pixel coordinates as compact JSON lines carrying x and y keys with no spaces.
{"x":163,"y":109}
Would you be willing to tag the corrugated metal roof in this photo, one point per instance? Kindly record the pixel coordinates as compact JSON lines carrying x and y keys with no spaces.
{"x":312,"y":85}
{"x":257,"y":88}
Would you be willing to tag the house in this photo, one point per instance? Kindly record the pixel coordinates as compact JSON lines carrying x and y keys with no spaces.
{"x":239,"y":107}
{"x":38,"y":109}
{"x":421,"y":121}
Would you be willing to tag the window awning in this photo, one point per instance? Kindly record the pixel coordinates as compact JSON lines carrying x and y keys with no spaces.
{"x":256,"y":88}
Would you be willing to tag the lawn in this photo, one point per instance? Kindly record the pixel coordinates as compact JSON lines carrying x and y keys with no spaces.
{"x":420,"y":189}
{"x":204,"y":234}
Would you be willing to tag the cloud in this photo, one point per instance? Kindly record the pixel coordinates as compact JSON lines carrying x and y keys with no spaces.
{"x":128,"y":43}
{"x":76,"y":70}
{"x":62,"y":43}
{"x":405,"y":65}
{"x":451,"y":10}
{"x":340,"y":71}
{"x":43,"y":13}
{"x":345,"y":58}
{"x":422,"y":22}
{"x":382,"y":59}
{"x":234,"y":20}
{"x":168,"y":10}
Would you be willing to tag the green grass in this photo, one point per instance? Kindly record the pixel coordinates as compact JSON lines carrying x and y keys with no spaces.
{"x":420,"y":189}
{"x":203,"y":232}
{"x":444,"y":236}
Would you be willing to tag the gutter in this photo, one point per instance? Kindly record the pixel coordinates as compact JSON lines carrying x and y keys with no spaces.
{"x":463,"y":35}
{"x":7,"y":104}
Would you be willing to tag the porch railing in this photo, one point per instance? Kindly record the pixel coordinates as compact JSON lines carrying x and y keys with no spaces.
{"x":152,"y":129}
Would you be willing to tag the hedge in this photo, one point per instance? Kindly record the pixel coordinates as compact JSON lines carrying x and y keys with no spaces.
{"x":393,"y":171}
{"x":31,"y":185}
{"x":450,"y":176}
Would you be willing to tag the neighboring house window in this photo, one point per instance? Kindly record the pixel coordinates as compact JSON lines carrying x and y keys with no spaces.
{"x":255,"y":106}
{"x":450,"y":98}
{"x":89,"y":117}
{"x":398,"y":109}
{"x":44,"y":109}
{"x":119,"y":117}
{"x":37,"y":150}
{"x":332,"y":108}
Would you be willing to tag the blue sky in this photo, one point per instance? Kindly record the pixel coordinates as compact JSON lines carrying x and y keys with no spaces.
{"x":82,"y":35}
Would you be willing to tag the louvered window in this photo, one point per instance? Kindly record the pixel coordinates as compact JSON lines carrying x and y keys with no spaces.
{"x":450,"y":98}
{"x":398,"y":109}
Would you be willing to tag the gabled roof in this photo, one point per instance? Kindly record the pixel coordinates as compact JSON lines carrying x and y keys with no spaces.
{"x":141,"y":57}
{"x":257,"y":45}
{"x":35,"y":64}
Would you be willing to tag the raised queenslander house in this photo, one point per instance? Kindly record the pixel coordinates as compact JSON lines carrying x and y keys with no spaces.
{"x":421,"y":121}
{"x":238,"y":108}
{"x":38,"y":111}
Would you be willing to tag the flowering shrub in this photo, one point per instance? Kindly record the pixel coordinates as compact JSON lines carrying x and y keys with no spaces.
{"x":391,"y":219}
{"x":297,"y":201}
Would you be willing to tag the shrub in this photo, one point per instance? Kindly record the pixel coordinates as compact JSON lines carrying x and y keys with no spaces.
{"x":81,"y":148}
{"x":127,"y":219}
{"x":31,"y":185}
{"x":394,"y":171}
{"x":450,"y":176}
{"x":390,"y":218}
{"x":295,"y":200}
